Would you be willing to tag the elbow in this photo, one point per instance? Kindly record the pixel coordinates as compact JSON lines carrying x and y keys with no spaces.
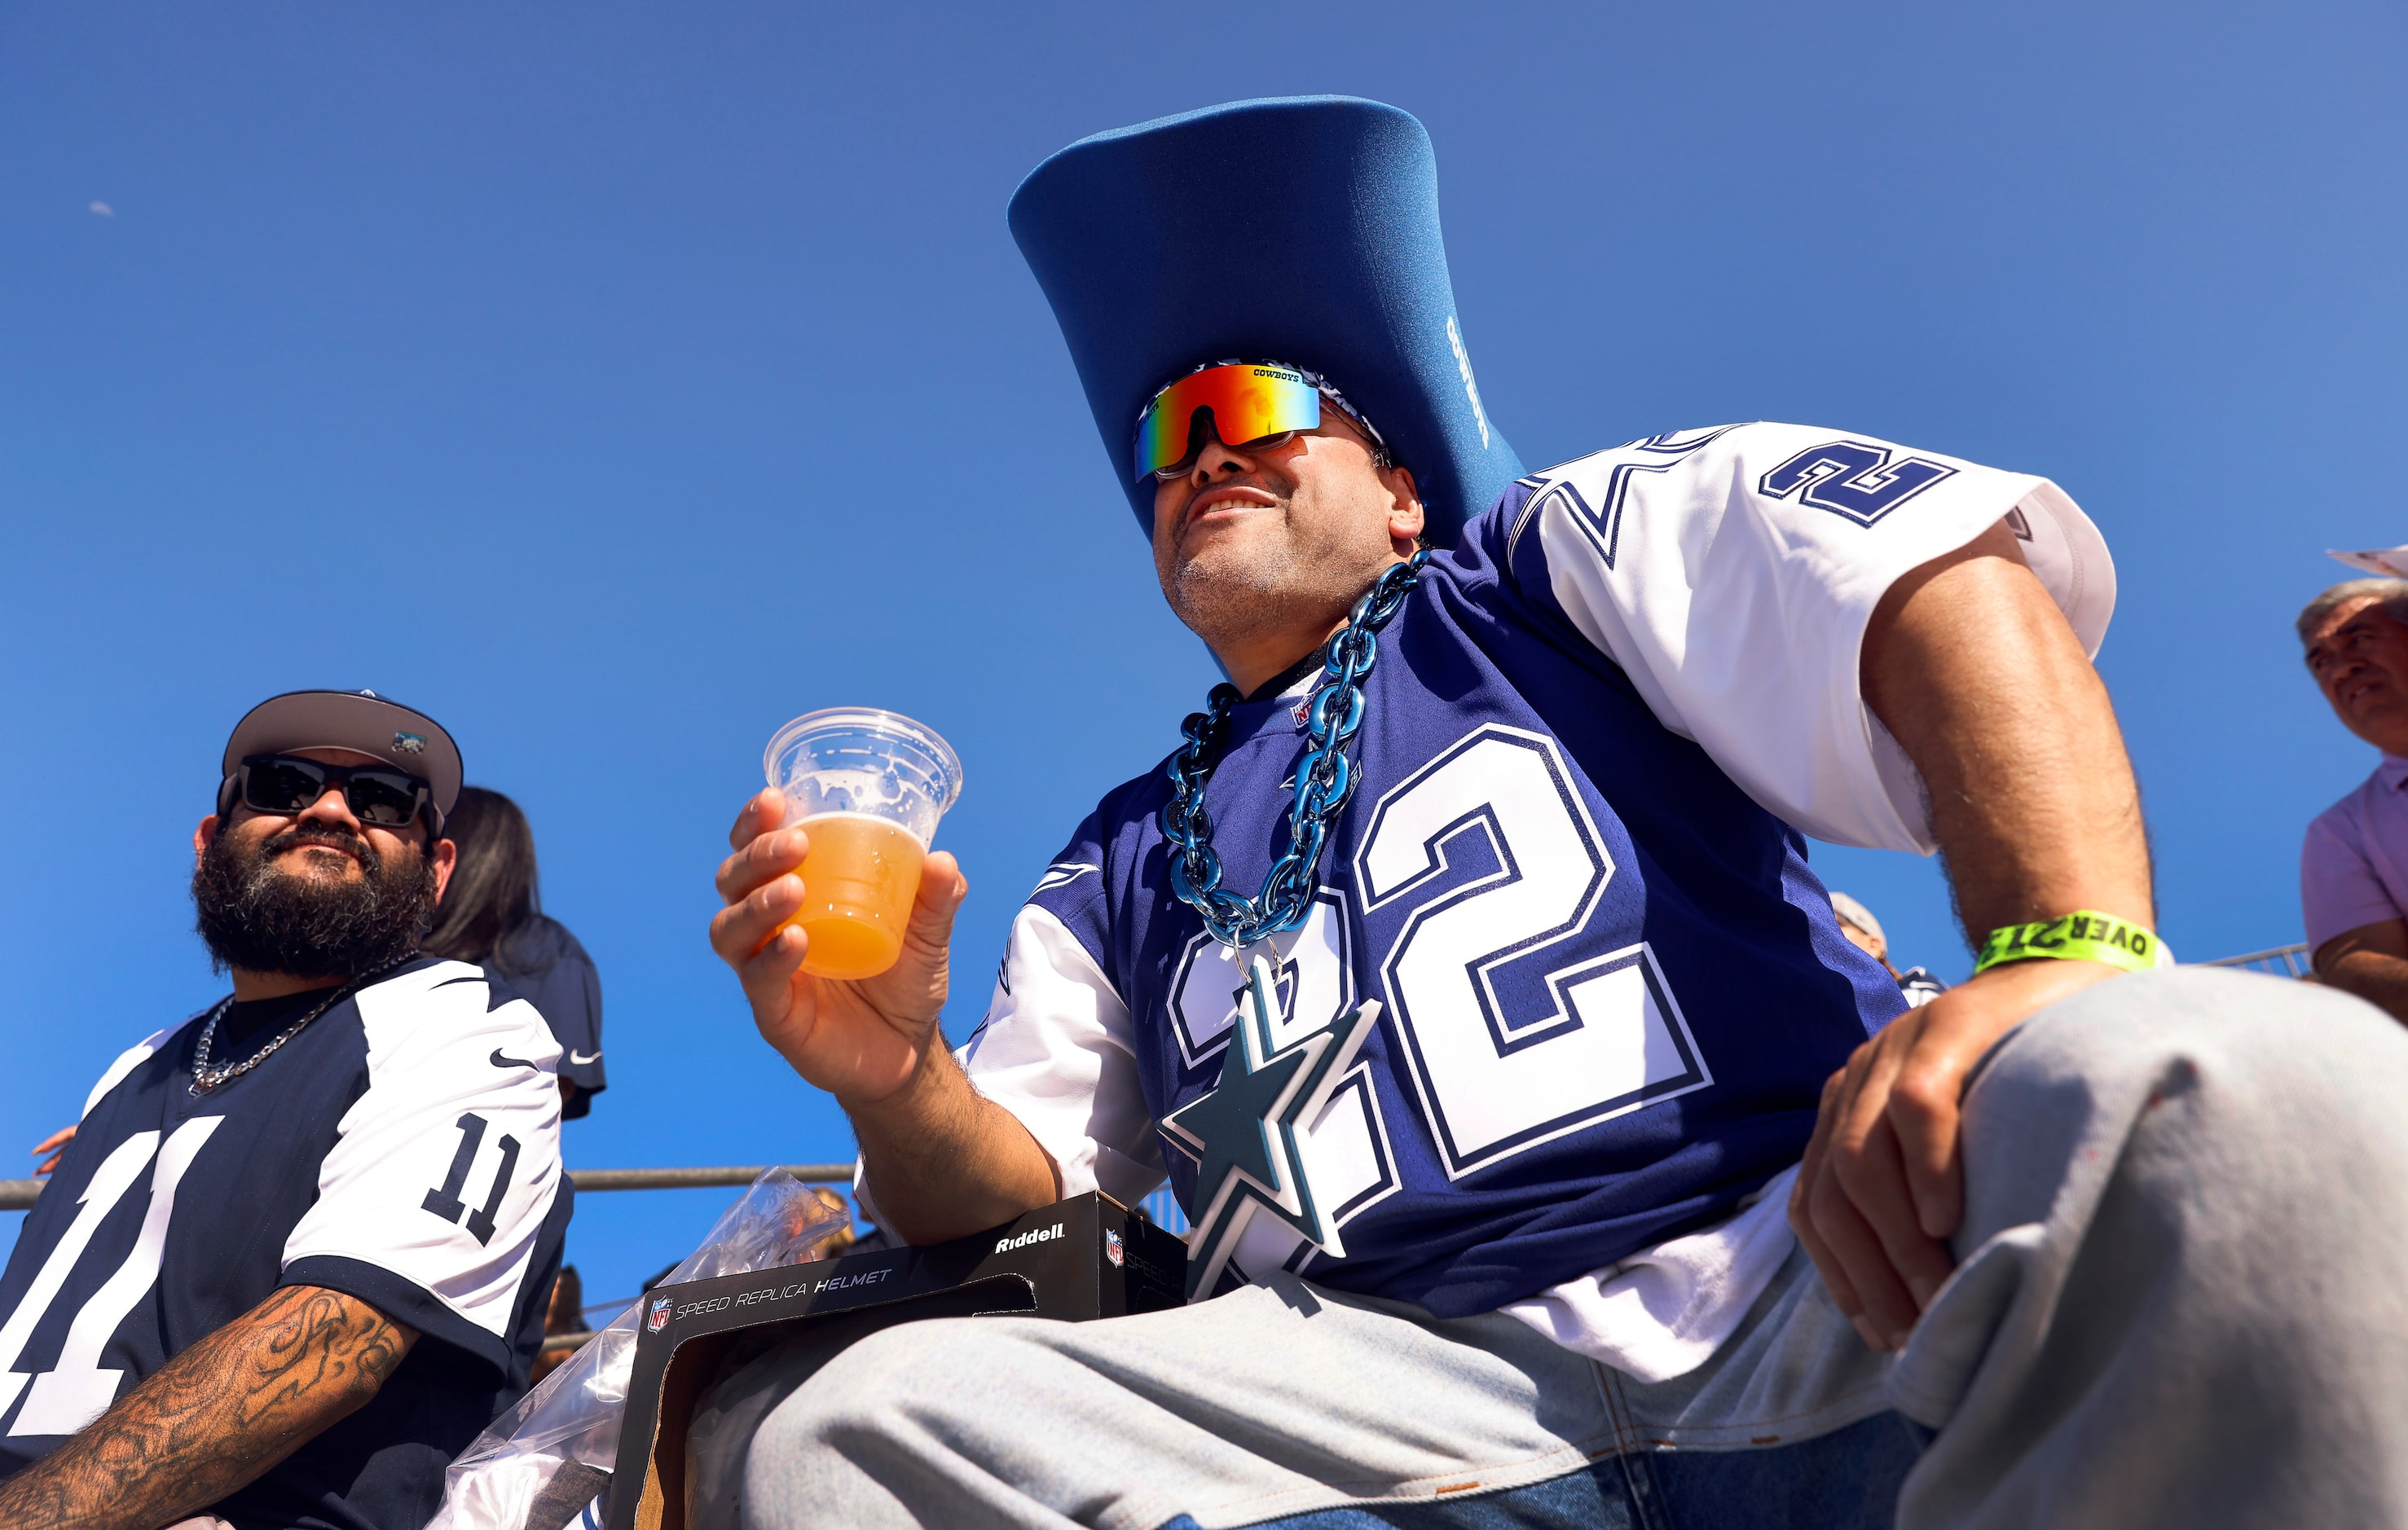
{"x":329,"y":1344}
{"x":2379,"y":979}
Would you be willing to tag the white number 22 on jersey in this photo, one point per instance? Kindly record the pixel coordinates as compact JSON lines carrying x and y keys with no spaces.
{"x":77,"y":1391}
{"x":1610,"y":1037}
{"x":1611,"y":1040}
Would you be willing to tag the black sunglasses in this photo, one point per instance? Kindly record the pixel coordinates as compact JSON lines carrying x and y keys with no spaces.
{"x":287,"y":784}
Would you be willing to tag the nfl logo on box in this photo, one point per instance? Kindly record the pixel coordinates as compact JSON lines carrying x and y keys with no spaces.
{"x":660,"y":1318}
{"x":1112,"y":1247}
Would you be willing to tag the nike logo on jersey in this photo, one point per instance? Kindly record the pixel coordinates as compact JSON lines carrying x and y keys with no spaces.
{"x":500,"y":1061}
{"x":580,"y":1059}
{"x":1062,"y":874}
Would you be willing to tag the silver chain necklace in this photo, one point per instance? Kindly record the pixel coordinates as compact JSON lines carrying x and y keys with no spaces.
{"x":205,"y":1078}
{"x":1325,"y":778}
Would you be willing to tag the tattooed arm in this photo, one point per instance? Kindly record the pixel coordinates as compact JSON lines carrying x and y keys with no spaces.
{"x":214,"y":1418}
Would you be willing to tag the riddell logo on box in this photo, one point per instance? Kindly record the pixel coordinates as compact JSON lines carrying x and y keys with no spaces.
{"x":1038,"y":1236}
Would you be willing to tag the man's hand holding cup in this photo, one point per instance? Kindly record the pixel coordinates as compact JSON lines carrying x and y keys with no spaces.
{"x":838,"y":918}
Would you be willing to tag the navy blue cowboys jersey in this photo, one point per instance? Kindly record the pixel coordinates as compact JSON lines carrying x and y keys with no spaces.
{"x":404,"y":1148}
{"x":1572,"y":873}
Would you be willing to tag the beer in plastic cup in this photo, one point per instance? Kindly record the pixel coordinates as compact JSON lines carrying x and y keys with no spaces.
{"x":868,"y":786}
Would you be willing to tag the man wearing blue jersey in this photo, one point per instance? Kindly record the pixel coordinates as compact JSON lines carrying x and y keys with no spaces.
{"x":296,"y":1252}
{"x":1554,"y":1156}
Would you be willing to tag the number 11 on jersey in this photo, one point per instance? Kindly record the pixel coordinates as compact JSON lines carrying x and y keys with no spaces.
{"x":76,"y":1390}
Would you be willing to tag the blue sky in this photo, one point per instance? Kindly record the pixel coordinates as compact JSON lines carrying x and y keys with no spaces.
{"x":616,"y":382}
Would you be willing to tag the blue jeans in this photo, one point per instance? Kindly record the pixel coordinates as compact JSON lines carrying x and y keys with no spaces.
{"x":1845,"y":1479}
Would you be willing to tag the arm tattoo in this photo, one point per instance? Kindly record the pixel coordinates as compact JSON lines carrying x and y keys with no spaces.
{"x":215,"y":1417}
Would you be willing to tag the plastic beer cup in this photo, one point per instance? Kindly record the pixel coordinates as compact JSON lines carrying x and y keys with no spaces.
{"x":868,"y":786}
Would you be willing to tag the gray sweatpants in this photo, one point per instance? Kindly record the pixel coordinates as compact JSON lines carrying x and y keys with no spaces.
{"x":2182,"y":1300}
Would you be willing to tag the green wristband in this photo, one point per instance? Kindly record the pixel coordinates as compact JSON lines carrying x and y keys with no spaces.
{"x":2085,"y":934}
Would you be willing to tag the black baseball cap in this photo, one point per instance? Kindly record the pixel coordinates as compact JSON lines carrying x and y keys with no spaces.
{"x":359,"y":721}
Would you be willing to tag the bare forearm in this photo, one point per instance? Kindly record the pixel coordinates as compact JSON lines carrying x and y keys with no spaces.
{"x":943,"y":1162}
{"x":2379,"y":979}
{"x":1971,"y":667}
{"x":2033,"y":797}
{"x":215,"y":1418}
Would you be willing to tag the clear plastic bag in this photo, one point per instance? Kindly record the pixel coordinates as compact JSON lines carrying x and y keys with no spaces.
{"x":539,"y":1465}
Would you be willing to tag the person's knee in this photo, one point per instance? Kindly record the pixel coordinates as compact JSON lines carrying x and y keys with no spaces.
{"x":2266,"y":1072}
{"x":2260,"y":1035}
{"x":2241,"y":1089}
{"x":885,"y":1379}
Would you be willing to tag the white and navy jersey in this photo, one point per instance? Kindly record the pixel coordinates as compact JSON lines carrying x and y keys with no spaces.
{"x":547,"y":965}
{"x":404,"y":1148}
{"x":1920,"y":987}
{"x":1571,"y":872}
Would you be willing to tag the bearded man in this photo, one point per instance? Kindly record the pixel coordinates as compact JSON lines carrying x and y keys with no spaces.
{"x":296,"y":1253}
{"x":1554,"y":1157}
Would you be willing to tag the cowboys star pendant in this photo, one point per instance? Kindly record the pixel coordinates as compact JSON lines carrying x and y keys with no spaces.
{"x":1244,"y":1133}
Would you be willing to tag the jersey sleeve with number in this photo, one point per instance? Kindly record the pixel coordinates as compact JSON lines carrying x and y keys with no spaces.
{"x":431,"y":1205}
{"x":1731,"y":573}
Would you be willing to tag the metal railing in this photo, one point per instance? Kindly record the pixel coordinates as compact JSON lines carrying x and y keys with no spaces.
{"x":1162,"y":1210}
{"x":19,"y":1195}
{"x":2275,"y":962}
{"x":700,"y":1179}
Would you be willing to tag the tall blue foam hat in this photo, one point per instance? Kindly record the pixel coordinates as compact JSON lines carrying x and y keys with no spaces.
{"x":1301,"y":229}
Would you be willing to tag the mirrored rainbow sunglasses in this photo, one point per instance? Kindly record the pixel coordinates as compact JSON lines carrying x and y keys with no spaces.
{"x":1254,"y":404}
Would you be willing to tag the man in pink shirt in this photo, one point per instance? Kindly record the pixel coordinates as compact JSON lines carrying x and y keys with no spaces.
{"x":2354,"y":867}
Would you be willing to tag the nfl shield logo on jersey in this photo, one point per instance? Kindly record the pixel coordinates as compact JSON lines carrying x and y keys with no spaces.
{"x":1112,"y":1248}
{"x":660,"y":1318}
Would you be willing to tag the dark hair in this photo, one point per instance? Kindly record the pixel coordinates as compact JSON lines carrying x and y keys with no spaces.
{"x":493,"y":893}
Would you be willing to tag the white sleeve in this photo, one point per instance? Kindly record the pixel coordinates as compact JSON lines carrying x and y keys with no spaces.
{"x":1731,"y":574}
{"x":127,"y":1061}
{"x":1055,"y":1051}
{"x":434,"y":1202}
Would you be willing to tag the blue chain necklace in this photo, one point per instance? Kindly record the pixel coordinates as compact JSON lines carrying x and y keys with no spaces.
{"x":1324,"y":779}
